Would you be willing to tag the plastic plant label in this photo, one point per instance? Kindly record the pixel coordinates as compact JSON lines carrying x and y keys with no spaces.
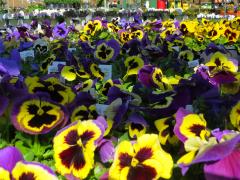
{"x":54,"y":67}
{"x":27,"y":54}
{"x":72,"y":50}
{"x":189,"y":107}
{"x":101,"y":108}
{"x":93,"y":92}
{"x":193,"y":63}
{"x":107,"y":70}
{"x":176,"y":48}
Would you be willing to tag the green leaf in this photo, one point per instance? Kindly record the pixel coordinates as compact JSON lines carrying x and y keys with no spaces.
{"x":124,"y":137}
{"x":103,"y":35}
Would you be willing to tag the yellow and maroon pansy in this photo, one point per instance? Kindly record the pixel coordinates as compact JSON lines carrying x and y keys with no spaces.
{"x":133,"y":64}
{"x":84,"y":113}
{"x":74,"y":148}
{"x":144,"y":160}
{"x":32,"y":171}
{"x":187,"y":27}
{"x":37,"y":115}
{"x":125,"y":36}
{"x":165,"y":127}
{"x":84,"y":37}
{"x":13,"y":167}
{"x":92,"y":27}
{"x":231,"y":34}
{"x":235,"y":116}
{"x":189,"y":125}
{"x":58,"y":92}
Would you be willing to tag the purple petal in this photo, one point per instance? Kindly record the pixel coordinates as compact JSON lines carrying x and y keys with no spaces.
{"x":106,"y":150}
{"x":225,"y":169}
{"x":218,"y":152}
{"x":9,"y":156}
{"x":137,"y":119}
{"x":181,"y":113}
{"x":101,"y":123}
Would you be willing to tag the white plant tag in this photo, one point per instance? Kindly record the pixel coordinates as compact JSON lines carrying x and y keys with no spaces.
{"x":176,"y":48}
{"x":72,"y":50}
{"x":107,"y":70}
{"x":189,"y":107}
{"x":54,"y":67}
{"x":193,"y":63}
{"x":26,"y":54}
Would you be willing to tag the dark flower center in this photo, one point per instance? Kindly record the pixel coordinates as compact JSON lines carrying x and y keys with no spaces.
{"x":196,"y":129}
{"x":27,"y":176}
{"x":41,"y":117}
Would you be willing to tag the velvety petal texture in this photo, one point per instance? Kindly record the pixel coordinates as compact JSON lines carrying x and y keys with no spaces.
{"x":37,"y":115}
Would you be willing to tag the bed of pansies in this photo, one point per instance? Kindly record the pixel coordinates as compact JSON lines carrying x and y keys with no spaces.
{"x":136,"y":100}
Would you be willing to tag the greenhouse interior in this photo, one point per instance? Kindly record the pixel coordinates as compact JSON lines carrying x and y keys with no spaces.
{"x":119,"y":89}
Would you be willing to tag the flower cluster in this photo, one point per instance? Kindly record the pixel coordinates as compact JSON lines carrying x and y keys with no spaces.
{"x":120,"y":99}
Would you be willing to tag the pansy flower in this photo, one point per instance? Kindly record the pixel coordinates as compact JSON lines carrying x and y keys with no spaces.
{"x":144,"y":159}
{"x":125,"y":36}
{"x":107,"y":85}
{"x":231,"y":88}
{"x":220,"y":62}
{"x":107,"y":50}
{"x":60,"y":30}
{"x":219,"y":155}
{"x":186,"y":55}
{"x":133,"y":64}
{"x":151,"y":76}
{"x":137,"y":125}
{"x":235,"y":116}
{"x":84,"y":86}
{"x":74,"y":148}
{"x":231,"y":34}
{"x":96,"y":71}
{"x":165,"y":127}
{"x":188,"y":27}
{"x":214,"y":33}
{"x":52,"y":86}
{"x":37,"y":115}
{"x":221,"y":69}
{"x":161,"y":81}
{"x":46,"y":63}
{"x":190,"y":125}
{"x":13,"y":166}
{"x":137,"y":34}
{"x":92,"y":27}
{"x":70,"y":73}
{"x":84,"y":113}
{"x":112,"y":27}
